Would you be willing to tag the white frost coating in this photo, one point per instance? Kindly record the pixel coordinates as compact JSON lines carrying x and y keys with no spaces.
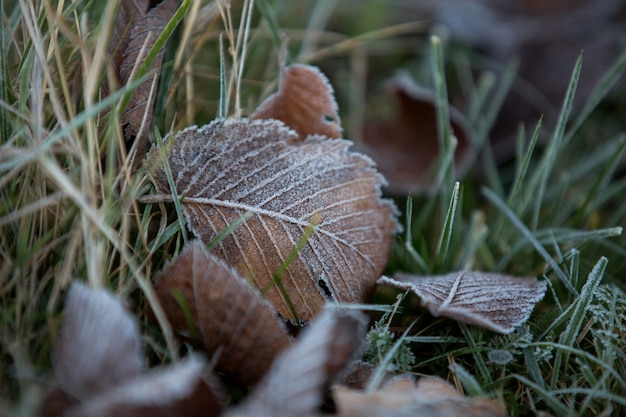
{"x":494,"y":301}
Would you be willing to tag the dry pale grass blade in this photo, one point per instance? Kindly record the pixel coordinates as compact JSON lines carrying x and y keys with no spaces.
{"x":295,"y":385}
{"x":406,"y":146}
{"x":305,"y":102}
{"x":494,"y":301}
{"x":429,"y":397}
{"x":99,"y":346}
{"x":229,"y":168}
{"x":235,"y":323}
{"x":180,"y":390}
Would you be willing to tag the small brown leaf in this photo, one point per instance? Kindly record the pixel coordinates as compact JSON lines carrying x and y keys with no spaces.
{"x":229,"y":168}
{"x":429,"y":397}
{"x":178,"y":390}
{"x":235,"y":323}
{"x":494,"y":301}
{"x":406,"y":146}
{"x":294,"y":386}
{"x":99,"y":345}
{"x":305,"y":102}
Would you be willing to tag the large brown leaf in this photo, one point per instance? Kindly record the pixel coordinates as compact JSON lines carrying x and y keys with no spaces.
{"x":496,"y":302}
{"x":229,"y":168}
{"x":234,"y":322}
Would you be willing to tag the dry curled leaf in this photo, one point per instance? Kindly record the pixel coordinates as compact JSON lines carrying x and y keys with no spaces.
{"x":229,"y":168}
{"x":305,"y":102}
{"x":494,"y":301}
{"x":137,"y":27}
{"x":97,"y":360}
{"x":99,"y":345}
{"x":294,"y":386}
{"x":180,"y":390}
{"x":406,"y":146}
{"x":234,"y":322}
{"x":403,"y":397}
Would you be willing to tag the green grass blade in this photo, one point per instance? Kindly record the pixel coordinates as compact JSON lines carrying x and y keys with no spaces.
{"x":470,"y":384}
{"x":521,"y":227}
{"x":446,"y":232}
{"x":5,"y":83}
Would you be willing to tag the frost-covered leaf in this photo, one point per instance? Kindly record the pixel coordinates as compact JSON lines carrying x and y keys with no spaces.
{"x":181,"y":390}
{"x":494,"y":301}
{"x":406,"y":145}
{"x":99,"y":345}
{"x":229,"y":168}
{"x":235,"y":324}
{"x":305,"y":102}
{"x":403,"y":397}
{"x":294,"y":386}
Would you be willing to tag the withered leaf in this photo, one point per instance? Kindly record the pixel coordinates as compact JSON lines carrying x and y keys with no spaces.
{"x":305,"y":102}
{"x":235,"y":323}
{"x":294,"y":386}
{"x":229,"y":168}
{"x":494,"y":301}
{"x":99,"y":345}
{"x":406,"y":145}
{"x":177,"y":390}
{"x":403,"y":397}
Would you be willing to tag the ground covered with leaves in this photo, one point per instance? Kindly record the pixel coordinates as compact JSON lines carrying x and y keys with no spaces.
{"x":312,"y":208}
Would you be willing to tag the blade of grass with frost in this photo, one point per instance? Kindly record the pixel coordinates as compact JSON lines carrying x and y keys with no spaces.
{"x":602,"y":180}
{"x":476,"y":354}
{"x":377,"y":378}
{"x":599,"y":93}
{"x":408,"y":243}
{"x":549,"y":159}
{"x":532,"y":367}
{"x":477,"y":100}
{"x":229,"y":229}
{"x":270,"y":18}
{"x":475,"y":239}
{"x":176,"y":199}
{"x":568,"y":337}
{"x":470,"y":384}
{"x":548,"y":397}
{"x":446,"y":232}
{"x":494,"y":199}
{"x":223,"y":103}
{"x":444,"y":130}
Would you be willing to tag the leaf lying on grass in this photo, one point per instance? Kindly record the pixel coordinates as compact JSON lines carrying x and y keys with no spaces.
{"x":430,"y":396}
{"x":406,"y":146}
{"x":234,"y":322}
{"x":305,"y":102}
{"x":494,"y":301}
{"x":98,"y":360}
{"x":228,"y":168}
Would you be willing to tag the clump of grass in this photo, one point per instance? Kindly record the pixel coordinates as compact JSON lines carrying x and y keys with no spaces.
{"x":68,"y":205}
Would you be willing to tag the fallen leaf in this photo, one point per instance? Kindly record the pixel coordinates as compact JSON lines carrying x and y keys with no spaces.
{"x":429,"y":397}
{"x":235,"y":323}
{"x":177,"y":390}
{"x":229,"y":168}
{"x":97,"y":360}
{"x":99,"y":344}
{"x":137,"y":27}
{"x":494,"y":301}
{"x":305,"y":102}
{"x":294,"y":386}
{"x":406,"y":146}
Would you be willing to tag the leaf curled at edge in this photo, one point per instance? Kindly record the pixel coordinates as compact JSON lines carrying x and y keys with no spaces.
{"x":181,"y":389}
{"x":305,"y":102}
{"x":402,"y":396}
{"x":99,"y":345}
{"x":232,"y":167}
{"x":234,"y":321}
{"x":295,"y":385}
{"x":496,"y":302}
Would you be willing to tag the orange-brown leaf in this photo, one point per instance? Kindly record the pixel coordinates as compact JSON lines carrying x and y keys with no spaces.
{"x":229,"y":168}
{"x":305,"y":102}
{"x":234,"y":322}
